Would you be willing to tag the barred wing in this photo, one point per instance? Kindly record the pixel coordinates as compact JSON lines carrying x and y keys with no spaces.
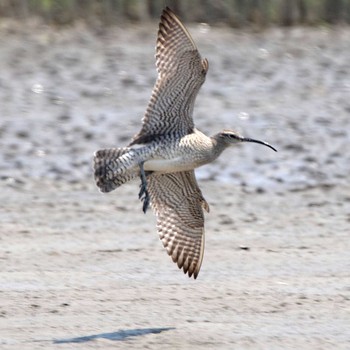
{"x":181,"y":73}
{"x":178,"y":203}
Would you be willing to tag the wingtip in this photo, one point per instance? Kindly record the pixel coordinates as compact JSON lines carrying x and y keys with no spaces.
{"x":168,"y":15}
{"x":167,"y":9}
{"x":167,"y":12}
{"x":191,"y":272}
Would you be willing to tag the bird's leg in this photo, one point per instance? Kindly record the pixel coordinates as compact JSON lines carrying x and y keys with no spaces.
{"x":143,"y":194}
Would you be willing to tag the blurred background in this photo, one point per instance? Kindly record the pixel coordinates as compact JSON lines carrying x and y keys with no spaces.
{"x":235,"y":13}
{"x":77,"y":75}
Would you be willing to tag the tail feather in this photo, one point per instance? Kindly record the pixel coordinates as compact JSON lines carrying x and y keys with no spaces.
{"x":110,"y":170}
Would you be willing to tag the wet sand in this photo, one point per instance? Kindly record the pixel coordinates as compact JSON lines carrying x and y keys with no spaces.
{"x":81,"y":270}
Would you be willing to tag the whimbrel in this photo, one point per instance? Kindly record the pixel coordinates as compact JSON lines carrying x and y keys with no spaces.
{"x":168,"y":148}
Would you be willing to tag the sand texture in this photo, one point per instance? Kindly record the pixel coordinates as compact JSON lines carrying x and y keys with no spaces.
{"x":84,"y":270}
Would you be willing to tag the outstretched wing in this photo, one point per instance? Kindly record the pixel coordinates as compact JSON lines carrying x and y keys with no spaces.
{"x":178,"y":203}
{"x":181,"y":72}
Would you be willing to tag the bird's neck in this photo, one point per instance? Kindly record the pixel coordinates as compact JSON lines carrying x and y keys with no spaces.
{"x":219,"y":145}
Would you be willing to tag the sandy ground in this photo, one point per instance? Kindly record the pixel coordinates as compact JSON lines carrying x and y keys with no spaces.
{"x":81,"y":270}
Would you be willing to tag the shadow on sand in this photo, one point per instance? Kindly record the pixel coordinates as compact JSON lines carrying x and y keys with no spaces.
{"x":116,"y":336}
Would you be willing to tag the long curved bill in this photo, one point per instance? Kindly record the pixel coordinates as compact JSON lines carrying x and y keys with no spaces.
{"x":247,"y":139}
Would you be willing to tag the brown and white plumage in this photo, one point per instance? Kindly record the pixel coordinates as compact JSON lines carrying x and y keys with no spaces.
{"x":178,"y":204}
{"x":181,"y":73}
{"x":176,"y":197}
{"x":168,"y":148}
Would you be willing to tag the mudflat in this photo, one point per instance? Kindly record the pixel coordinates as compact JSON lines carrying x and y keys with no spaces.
{"x":84,"y":270}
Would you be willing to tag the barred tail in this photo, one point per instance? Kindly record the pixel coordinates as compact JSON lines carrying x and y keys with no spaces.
{"x":113,"y":167}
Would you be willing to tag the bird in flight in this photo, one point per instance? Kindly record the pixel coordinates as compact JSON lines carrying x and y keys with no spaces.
{"x":168,"y":148}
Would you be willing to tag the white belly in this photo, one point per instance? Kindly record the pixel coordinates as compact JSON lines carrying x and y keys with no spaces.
{"x":168,"y":165}
{"x":188,"y":153}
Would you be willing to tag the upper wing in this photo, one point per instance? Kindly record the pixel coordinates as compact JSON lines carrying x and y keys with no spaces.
{"x":178,"y":203}
{"x":181,"y":72}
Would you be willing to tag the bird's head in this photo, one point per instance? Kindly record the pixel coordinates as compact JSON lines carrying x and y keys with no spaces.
{"x":229,"y":137}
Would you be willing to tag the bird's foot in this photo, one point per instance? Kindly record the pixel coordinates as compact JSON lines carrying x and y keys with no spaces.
{"x":143,"y":194}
